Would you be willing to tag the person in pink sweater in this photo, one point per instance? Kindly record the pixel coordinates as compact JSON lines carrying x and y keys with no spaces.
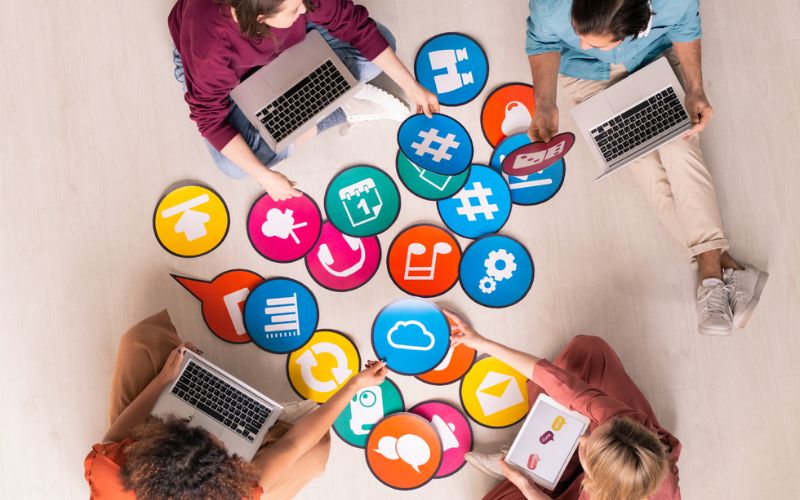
{"x":218,"y":43}
{"x":625,"y":454}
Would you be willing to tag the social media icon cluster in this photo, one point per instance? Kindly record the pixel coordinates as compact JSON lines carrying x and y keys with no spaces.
{"x":338,"y":243}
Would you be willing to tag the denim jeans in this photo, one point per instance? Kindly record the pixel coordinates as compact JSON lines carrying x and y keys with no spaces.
{"x":361,"y":68}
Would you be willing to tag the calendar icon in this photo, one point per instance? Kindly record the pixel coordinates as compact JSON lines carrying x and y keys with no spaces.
{"x":361,"y":201}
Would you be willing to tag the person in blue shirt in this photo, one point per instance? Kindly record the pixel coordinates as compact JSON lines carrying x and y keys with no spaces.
{"x":583,"y":47}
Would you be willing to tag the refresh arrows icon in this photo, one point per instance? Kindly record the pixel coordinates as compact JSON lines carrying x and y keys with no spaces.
{"x":308,"y":360}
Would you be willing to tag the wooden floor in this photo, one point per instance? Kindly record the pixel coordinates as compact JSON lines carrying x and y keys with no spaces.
{"x":94,"y":129}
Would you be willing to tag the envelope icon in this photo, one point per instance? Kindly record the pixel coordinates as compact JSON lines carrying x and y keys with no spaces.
{"x":498,"y":392}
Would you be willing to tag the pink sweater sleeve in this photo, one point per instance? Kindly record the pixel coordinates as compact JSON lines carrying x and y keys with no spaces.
{"x":350,"y":23}
{"x":577,"y":395}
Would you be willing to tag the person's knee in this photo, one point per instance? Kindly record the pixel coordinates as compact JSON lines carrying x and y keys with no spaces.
{"x":591,"y":344}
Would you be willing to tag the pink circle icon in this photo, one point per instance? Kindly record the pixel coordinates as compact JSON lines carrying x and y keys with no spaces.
{"x":454,"y":431}
{"x":283,"y":231}
{"x":340,"y":262}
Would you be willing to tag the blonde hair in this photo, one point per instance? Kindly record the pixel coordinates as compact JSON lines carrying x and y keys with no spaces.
{"x":626,"y":461}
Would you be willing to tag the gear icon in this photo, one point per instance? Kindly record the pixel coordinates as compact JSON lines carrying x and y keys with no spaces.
{"x":487,"y":285}
{"x":504,"y":272}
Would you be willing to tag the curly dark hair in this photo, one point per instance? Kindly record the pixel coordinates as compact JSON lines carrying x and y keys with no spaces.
{"x":170,"y":459}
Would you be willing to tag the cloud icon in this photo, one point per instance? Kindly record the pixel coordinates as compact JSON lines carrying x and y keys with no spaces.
{"x":411,"y":335}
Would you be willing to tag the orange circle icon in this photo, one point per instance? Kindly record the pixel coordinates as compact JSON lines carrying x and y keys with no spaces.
{"x":404,"y":451}
{"x":423,"y":260}
{"x":455,"y":364}
{"x":507,"y":111}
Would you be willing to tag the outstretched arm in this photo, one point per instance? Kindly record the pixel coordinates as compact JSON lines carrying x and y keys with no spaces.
{"x":463,"y":333}
{"x":425,"y":101}
{"x":307,"y":432}
{"x":697,"y":105}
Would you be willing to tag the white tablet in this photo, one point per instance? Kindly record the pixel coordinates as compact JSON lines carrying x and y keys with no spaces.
{"x":546,"y":442}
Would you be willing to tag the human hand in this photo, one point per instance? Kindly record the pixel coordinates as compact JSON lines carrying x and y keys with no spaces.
{"x":462,"y":332}
{"x":521,"y":481}
{"x":544,"y":124}
{"x":373,"y":374}
{"x":700,"y":111}
{"x":277,"y":185}
{"x":425,"y":101}
{"x":172,"y":365}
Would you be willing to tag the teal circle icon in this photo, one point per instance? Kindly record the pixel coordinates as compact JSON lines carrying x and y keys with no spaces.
{"x":426,"y":184}
{"x":367,"y":408}
{"x":362,"y":201}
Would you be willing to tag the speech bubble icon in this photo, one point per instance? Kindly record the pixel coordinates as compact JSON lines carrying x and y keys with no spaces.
{"x":558,"y":423}
{"x":387,"y":446}
{"x":413,"y":450}
{"x":222,"y":301}
{"x":546,"y":437}
{"x":533,"y":461}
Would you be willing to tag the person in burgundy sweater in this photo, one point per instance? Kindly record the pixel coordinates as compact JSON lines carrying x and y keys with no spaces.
{"x":220,"y":42}
{"x":626,"y":454}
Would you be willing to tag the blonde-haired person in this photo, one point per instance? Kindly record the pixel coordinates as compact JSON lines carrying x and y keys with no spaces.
{"x":625,"y":455}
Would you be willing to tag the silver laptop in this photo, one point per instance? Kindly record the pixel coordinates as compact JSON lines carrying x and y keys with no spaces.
{"x":633,"y":117}
{"x":300,"y":87}
{"x":234,"y":412}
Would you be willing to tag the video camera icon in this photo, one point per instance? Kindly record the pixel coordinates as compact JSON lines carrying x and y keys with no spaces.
{"x":448,"y":59}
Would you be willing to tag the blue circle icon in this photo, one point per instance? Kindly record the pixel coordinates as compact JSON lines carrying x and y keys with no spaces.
{"x":411,"y":335}
{"x":481,"y":207}
{"x":530,"y":189}
{"x":439,"y":143}
{"x":280,"y":315}
{"x":453,"y":66}
{"x":496,"y":271}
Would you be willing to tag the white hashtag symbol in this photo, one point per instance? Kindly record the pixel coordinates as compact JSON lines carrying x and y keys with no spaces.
{"x":483,"y":207}
{"x":430,"y":137}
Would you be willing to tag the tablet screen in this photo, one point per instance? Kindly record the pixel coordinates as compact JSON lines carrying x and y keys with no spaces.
{"x":546,"y":440}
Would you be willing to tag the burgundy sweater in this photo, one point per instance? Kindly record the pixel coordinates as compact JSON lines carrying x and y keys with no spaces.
{"x":216,"y":55}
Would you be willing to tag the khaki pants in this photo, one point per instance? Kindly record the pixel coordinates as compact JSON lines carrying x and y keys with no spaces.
{"x":142,"y":352}
{"x":674,"y":178}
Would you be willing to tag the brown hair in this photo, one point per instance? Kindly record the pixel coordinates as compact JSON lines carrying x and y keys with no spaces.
{"x":618,"y":18}
{"x":170,"y":459}
{"x":247,"y":12}
{"x":626,"y":461}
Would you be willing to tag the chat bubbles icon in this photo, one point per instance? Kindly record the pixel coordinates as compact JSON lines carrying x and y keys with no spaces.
{"x":222,"y":301}
{"x":546,"y":437}
{"x":409,"y":448}
{"x":558,"y":423}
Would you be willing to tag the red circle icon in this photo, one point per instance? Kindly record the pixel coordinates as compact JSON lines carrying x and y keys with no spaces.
{"x":537,"y":156}
{"x":423,"y":260}
{"x":404,"y":451}
{"x":507,"y":111}
{"x":455,"y":364}
{"x":340,"y":262}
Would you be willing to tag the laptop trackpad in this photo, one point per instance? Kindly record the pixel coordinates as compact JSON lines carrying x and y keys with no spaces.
{"x":623,"y":95}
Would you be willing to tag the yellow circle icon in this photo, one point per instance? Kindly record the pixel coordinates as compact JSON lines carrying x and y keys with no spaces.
{"x":190,"y":221}
{"x":494,"y":394}
{"x":322,"y":366}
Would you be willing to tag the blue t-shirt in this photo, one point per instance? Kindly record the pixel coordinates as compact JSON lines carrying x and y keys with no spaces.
{"x":550,"y":29}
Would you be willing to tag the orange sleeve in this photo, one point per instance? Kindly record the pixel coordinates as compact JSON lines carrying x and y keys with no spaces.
{"x":101,"y":469}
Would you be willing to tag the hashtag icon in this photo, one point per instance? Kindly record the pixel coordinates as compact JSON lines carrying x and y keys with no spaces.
{"x":483,"y":207}
{"x":428,"y":138}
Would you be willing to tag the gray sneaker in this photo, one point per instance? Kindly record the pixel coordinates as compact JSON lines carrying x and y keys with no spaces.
{"x":713,"y":307}
{"x":746,"y":287}
{"x":487,"y":463}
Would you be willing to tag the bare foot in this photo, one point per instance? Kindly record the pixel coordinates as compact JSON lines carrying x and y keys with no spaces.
{"x":729,"y":263}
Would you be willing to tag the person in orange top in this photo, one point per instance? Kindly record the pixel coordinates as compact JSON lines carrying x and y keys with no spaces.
{"x":151,"y":458}
{"x":625,"y":454}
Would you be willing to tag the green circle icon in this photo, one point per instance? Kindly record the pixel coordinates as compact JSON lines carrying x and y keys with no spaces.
{"x":366,"y":409}
{"x":362,"y":201}
{"x":426,"y":184}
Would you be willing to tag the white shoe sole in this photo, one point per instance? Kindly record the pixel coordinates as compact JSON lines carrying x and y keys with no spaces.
{"x":740,"y":320}
{"x":712,"y":331}
{"x":483,"y":469}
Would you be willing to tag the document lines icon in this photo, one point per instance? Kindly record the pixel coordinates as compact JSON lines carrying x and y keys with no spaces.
{"x":284,"y":317}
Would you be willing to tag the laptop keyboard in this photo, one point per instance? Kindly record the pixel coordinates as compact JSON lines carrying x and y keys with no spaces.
{"x":629,"y":130}
{"x":302,"y":102}
{"x":221,"y":401}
